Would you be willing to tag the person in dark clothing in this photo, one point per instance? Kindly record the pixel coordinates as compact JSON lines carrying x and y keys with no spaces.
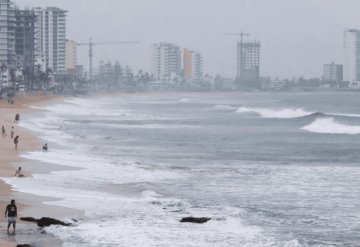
{"x":16,"y":141}
{"x":11,"y":213}
{"x":45,"y":148}
{"x":12,"y":132}
{"x":17,"y":118}
{"x":3,"y":131}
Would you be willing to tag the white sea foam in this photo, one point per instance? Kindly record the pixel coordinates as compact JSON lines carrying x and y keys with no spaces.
{"x":113,"y":219}
{"x":225,"y":107}
{"x":330,"y":126}
{"x":48,"y":127}
{"x":96,"y":169}
{"x":269,"y":113}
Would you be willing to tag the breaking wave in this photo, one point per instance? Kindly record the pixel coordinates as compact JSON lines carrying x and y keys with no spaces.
{"x":289,"y":113}
{"x":284,"y":113}
{"x":330,"y":126}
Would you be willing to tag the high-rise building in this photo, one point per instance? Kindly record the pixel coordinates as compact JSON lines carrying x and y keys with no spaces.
{"x":51,"y":37}
{"x":7,"y":33}
{"x":71,"y":55}
{"x":193,"y":65}
{"x":166,"y":61}
{"x":352,"y":55}
{"x":25,"y":39}
{"x":333,"y":72}
{"x":248,"y":61}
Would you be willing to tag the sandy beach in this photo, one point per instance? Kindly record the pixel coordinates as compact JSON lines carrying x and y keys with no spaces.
{"x":10,"y":158}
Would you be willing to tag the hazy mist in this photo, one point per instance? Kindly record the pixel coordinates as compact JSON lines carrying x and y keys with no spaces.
{"x":297,"y":36}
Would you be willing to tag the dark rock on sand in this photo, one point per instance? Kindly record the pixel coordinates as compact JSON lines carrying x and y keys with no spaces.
{"x":29,"y":219}
{"x":195,"y":219}
{"x":24,"y":245}
{"x":45,"y":221}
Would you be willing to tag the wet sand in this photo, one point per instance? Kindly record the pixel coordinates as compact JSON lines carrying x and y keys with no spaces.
{"x":28,"y":205}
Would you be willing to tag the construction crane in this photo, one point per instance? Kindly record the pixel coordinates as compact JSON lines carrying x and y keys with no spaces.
{"x":91,"y":44}
{"x":241,"y":35}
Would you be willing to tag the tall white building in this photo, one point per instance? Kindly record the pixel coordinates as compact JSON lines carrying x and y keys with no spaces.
{"x":352,"y":55}
{"x":166,"y":61}
{"x":193,"y":66}
{"x":7,"y":33}
{"x":50,"y":35}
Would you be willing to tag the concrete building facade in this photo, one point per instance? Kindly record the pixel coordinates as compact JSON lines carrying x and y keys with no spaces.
{"x":71,"y":55}
{"x":333,"y":72}
{"x":7,"y":33}
{"x":352,"y":55}
{"x":193,"y":66}
{"x":248,"y":61}
{"x":51,"y":38}
{"x":25,"y":40}
{"x":166,"y":61}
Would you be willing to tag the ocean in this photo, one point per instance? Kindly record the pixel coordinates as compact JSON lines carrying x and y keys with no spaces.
{"x":269,"y":169}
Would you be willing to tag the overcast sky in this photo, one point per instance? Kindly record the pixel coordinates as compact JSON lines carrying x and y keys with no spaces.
{"x":297,"y":36}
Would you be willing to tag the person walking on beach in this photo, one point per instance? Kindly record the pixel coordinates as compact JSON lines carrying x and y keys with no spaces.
{"x":17,"y":118}
{"x":3,"y":131}
{"x":45,"y":148}
{"x":12,"y":132}
{"x":18,"y":173}
{"x":11,"y":213}
{"x":16,"y":141}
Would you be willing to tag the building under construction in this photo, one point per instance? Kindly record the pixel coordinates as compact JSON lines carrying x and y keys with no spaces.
{"x":248,"y":63}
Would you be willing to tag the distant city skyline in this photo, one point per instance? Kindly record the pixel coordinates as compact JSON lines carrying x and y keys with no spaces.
{"x":297,"y":37}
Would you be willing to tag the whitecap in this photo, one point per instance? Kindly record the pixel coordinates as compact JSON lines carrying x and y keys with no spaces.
{"x":330,"y":126}
{"x":269,"y":113}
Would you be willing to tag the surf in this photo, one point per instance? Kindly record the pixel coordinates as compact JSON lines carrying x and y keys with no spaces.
{"x":330,"y":126}
{"x":286,"y":113}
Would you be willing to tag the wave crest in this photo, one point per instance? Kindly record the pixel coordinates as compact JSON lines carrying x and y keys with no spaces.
{"x":284,"y":113}
{"x":330,"y":126}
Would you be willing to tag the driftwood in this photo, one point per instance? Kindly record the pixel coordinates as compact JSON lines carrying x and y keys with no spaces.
{"x":195,"y":219}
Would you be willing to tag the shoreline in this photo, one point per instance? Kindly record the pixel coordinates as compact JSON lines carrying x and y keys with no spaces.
{"x":28,"y":204}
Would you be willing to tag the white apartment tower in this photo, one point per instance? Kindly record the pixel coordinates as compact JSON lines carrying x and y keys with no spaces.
{"x":352,"y":55}
{"x":50,"y":35}
{"x":166,"y":61}
{"x":7,"y":33}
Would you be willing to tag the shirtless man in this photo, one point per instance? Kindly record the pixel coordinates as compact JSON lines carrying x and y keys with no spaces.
{"x":18,"y":173}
